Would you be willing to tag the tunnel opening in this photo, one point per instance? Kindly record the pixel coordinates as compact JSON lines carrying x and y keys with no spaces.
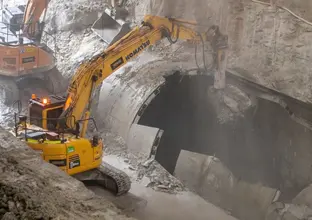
{"x":264,"y":146}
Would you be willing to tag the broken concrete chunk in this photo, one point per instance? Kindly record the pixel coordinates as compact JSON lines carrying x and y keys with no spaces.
{"x":304,"y":197}
{"x":147,"y":163}
{"x":12,"y":206}
{"x":9,"y":216}
{"x":141,"y":140}
{"x":131,"y":168}
{"x":213,"y":181}
{"x":162,"y":187}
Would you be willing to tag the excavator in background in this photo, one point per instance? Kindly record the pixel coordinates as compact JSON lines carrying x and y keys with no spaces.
{"x":22,"y":54}
{"x":57,"y":125}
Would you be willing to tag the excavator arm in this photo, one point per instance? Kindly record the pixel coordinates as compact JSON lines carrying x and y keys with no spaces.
{"x":33,"y":11}
{"x":92,"y":73}
{"x":82,"y":157}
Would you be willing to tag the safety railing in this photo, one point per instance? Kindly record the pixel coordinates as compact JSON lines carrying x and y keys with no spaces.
{"x":7,"y":35}
{"x":58,"y":131}
{"x":12,"y":35}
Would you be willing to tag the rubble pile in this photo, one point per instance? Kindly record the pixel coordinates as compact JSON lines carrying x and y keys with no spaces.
{"x":147,"y":170}
{"x":20,"y":204}
{"x":159,"y":178}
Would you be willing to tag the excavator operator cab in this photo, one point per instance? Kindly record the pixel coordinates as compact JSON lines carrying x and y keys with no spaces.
{"x":13,"y":17}
{"x":44,"y":112}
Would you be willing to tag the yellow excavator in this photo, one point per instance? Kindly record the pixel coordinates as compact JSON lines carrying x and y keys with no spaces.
{"x":57,"y":125}
{"x":22,"y":53}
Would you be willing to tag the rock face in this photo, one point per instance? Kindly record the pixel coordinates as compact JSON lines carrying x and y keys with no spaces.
{"x":33,"y":189}
{"x":70,"y":36}
{"x":269,"y":44}
{"x":272,"y":46}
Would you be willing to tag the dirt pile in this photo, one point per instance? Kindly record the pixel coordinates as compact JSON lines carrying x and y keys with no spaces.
{"x":33,"y":189}
{"x":153,"y":174}
{"x":14,"y":202}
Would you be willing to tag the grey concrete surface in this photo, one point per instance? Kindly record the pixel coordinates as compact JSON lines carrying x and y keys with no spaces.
{"x":144,"y":203}
{"x":122,"y":96}
{"x":212,"y":180}
{"x":141,"y":140}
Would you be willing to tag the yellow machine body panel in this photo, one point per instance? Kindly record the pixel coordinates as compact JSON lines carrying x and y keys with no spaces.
{"x":69,"y":152}
{"x":74,"y":156}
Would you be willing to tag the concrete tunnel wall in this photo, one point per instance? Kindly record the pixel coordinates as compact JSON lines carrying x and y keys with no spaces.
{"x":277,"y":153}
{"x":127,"y":92}
{"x":122,"y":96}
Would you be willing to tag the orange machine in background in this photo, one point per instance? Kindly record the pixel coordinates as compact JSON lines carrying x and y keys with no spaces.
{"x":22,"y":52}
{"x":23,"y":60}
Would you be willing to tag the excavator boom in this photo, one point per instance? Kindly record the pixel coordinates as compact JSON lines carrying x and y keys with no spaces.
{"x":33,"y":11}
{"x":91,"y":73}
{"x":62,"y":141}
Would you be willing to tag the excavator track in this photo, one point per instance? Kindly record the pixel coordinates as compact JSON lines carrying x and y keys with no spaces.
{"x":120,"y":179}
{"x":109,"y":177}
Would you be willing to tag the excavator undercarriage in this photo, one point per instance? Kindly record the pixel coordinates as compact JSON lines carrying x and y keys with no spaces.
{"x":107,"y":176}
